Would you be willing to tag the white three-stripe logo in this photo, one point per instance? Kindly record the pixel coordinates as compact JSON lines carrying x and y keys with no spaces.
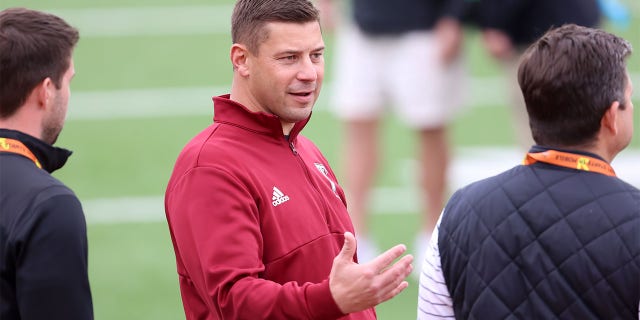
{"x":278,"y":197}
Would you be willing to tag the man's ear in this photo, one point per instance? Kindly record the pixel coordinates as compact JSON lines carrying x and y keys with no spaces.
{"x":44,"y":92}
{"x":240,"y":58}
{"x":610,"y":118}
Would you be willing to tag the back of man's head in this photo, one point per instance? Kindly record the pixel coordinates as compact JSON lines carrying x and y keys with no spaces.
{"x":250,"y":17}
{"x":33,"y":46}
{"x":569,"y":78}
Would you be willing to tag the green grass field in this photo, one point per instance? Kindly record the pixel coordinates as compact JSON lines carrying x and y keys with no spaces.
{"x":125,"y":145}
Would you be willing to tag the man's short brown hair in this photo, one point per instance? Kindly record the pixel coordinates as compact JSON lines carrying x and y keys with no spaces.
{"x":569,"y":78}
{"x":33,"y":46}
{"x":250,"y":16}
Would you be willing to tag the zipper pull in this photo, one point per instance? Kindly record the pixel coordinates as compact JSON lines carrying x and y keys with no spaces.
{"x":293,"y":148}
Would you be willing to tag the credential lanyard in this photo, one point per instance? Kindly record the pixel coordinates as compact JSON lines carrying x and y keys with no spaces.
{"x":570,"y":160}
{"x":15,"y":146}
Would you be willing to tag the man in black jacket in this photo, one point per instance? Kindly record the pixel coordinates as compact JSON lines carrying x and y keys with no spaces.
{"x":556,"y":237}
{"x":43,"y":239}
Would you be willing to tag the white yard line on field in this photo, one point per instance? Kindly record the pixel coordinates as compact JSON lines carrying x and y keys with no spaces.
{"x":149,"y":21}
{"x":158,"y":21}
{"x":469,"y":164}
{"x":167,"y":102}
{"x":142,"y":103}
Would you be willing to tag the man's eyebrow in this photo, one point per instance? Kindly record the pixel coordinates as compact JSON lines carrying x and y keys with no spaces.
{"x":291,"y":51}
{"x":294,"y":51}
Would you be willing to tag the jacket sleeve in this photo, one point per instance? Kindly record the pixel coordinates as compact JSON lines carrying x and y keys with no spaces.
{"x":51,"y":278}
{"x":215,"y":225}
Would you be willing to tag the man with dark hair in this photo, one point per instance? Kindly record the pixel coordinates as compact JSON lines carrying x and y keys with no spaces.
{"x":43,"y":237}
{"x":258,"y":221}
{"x":557,"y":237}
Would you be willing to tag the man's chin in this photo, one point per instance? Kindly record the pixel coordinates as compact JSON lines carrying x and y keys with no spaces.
{"x":302,"y":113}
{"x":50,"y":136}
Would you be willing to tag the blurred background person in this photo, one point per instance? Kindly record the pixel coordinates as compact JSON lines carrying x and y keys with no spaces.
{"x":403,"y":55}
{"x":509,"y":26}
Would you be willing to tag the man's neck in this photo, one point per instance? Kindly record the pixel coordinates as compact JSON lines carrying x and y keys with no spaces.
{"x":13,"y":124}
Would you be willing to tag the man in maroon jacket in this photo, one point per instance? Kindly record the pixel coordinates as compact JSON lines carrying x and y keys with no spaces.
{"x":258,"y":221}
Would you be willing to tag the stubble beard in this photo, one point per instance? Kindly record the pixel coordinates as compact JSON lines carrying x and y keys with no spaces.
{"x":53,"y":123}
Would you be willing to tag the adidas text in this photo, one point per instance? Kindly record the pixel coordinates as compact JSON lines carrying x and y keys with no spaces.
{"x":280,"y":201}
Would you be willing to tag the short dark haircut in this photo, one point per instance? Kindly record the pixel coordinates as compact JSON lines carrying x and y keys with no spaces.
{"x":250,"y":17}
{"x":34,"y":46}
{"x":569,"y":78}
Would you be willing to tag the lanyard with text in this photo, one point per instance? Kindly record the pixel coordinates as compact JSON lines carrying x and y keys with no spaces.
{"x":570,"y":160}
{"x":15,"y":146}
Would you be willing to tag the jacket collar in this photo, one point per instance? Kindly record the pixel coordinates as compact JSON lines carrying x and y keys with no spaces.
{"x":539,"y":148}
{"x":231,"y":112}
{"x":52,"y":158}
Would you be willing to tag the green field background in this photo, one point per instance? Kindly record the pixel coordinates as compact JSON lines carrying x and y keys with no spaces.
{"x":132,"y":266}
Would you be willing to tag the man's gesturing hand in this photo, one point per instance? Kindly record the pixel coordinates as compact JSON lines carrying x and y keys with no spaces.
{"x":356,"y":287}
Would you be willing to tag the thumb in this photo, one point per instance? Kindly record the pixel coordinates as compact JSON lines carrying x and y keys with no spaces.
{"x":349,"y":247}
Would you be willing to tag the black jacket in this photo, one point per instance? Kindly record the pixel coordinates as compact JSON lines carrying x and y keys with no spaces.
{"x":385,"y":17}
{"x":526,"y":20}
{"x":43,"y":238}
{"x":543,"y":242}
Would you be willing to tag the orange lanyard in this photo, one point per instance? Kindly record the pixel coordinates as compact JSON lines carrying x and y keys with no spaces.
{"x":15,"y":146}
{"x":570,"y":160}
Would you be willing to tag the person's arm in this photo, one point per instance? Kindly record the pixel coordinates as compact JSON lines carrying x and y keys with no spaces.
{"x":51,"y":277}
{"x":330,"y":14}
{"x":449,"y":28}
{"x":448,"y":31}
{"x":497,"y":19}
{"x":434,"y":301}
{"x":498,"y":44}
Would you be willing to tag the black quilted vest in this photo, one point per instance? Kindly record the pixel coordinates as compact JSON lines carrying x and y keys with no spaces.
{"x":543,"y":242}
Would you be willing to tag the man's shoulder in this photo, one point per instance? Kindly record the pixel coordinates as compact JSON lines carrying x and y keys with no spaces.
{"x":44,"y":187}
{"x":206,"y":138}
{"x":26,"y":178}
{"x":623,"y":192}
{"x":628,"y":187}
{"x":33,"y":191}
{"x":519,"y":184}
{"x":216,"y":148}
{"x":495,"y":181}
